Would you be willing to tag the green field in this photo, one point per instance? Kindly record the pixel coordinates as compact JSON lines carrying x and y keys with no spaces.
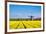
{"x":24,"y":24}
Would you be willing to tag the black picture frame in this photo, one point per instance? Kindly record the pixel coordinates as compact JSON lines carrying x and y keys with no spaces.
{"x":22,"y":2}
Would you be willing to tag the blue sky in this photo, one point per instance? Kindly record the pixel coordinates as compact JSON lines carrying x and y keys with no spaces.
{"x":24,"y":11}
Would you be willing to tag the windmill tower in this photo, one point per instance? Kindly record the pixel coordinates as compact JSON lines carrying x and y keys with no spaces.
{"x":31,"y":15}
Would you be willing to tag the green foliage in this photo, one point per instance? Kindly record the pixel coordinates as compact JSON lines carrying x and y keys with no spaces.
{"x":23,"y":19}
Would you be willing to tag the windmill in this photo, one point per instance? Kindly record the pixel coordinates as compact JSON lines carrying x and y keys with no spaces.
{"x":31,"y":17}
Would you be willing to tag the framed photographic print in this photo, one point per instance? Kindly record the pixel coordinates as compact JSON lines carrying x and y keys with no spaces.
{"x":24,"y":16}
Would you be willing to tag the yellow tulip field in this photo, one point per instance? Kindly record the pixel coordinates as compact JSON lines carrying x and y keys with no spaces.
{"x":24,"y":24}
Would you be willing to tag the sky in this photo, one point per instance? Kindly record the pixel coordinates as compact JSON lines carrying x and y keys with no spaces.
{"x":24,"y":11}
